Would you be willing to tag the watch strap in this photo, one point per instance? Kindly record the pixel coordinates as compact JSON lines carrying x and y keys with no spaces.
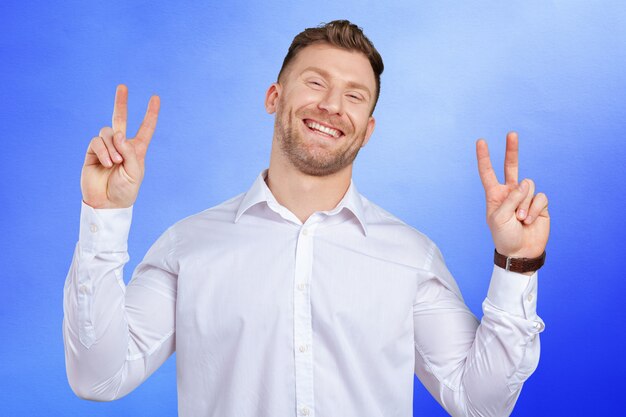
{"x":519,"y":264}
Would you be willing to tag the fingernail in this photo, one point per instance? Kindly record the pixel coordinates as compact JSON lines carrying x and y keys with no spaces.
{"x":117,"y":158}
{"x":521,"y":213}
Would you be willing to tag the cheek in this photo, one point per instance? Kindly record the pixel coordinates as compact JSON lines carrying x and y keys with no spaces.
{"x":360,"y":120}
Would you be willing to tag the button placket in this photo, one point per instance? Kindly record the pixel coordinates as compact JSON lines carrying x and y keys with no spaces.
{"x":303,"y":329}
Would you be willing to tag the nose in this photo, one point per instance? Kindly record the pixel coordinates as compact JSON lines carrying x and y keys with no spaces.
{"x":331,"y":102}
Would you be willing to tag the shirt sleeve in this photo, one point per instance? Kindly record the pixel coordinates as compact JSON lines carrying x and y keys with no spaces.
{"x":116,"y":335}
{"x":476,"y":368}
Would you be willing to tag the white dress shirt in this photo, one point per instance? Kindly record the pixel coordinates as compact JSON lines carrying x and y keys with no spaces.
{"x":273,"y":317}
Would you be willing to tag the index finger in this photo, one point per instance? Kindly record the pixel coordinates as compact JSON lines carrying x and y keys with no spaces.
{"x":485,"y":169}
{"x":511,"y":164}
{"x":120,"y":109}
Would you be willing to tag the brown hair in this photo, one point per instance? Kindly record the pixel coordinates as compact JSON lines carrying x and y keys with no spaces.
{"x":343,"y":34}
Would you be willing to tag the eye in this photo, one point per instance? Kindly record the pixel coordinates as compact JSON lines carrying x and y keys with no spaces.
{"x":355,"y":97}
{"x":315,"y":83}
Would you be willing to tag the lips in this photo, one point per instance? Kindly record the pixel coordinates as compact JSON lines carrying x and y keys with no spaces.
{"x":322,"y":128}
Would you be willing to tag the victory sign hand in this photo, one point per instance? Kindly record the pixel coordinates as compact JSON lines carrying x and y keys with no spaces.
{"x":518,"y":219}
{"x":114,"y":166}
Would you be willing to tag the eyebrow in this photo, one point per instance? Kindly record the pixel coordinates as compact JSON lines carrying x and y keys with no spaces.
{"x":351,"y":84}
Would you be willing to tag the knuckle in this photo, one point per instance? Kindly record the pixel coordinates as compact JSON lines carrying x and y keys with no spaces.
{"x":96,"y":143}
{"x":540,"y":204}
{"x":106,"y":131}
{"x":541,"y":198}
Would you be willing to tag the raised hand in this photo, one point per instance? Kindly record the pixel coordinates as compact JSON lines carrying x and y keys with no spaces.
{"x":518,"y":219}
{"x":114,"y":166}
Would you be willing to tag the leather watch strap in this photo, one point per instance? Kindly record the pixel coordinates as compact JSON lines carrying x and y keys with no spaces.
{"x":519,"y":264}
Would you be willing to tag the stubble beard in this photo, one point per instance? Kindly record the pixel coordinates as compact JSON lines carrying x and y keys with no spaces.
{"x":312,"y":159}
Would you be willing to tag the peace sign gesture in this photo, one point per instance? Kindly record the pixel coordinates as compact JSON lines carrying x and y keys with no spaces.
{"x":114,"y":166}
{"x":518,"y":219}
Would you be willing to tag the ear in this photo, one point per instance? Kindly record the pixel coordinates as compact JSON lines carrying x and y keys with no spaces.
{"x":271,"y":97}
{"x":371,"y":123}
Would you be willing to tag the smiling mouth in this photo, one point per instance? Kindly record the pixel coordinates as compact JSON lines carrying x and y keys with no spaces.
{"x":322,"y":129}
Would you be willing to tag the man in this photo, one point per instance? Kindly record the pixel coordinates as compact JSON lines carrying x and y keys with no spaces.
{"x":300,"y":297}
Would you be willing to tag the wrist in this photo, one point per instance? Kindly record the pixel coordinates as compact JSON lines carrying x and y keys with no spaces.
{"x":521,"y":265}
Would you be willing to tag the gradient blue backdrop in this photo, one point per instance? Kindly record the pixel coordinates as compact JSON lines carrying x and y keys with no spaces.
{"x":555,"y":71}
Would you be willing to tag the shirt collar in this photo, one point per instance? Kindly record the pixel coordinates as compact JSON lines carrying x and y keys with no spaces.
{"x":260,"y":192}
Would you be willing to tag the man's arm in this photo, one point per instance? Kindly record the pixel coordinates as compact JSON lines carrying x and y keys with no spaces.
{"x":472,"y":368}
{"x":478,"y":369}
{"x":116,"y":336}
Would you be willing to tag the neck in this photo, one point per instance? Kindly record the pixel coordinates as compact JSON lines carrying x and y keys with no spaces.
{"x":305,"y":194}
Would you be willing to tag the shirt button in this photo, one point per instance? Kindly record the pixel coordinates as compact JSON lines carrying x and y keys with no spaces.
{"x":301,"y":286}
{"x":305,"y":232}
{"x":83,"y":289}
{"x":305,"y":411}
{"x":303,"y":348}
{"x":93,"y":228}
{"x":530,"y":297}
{"x":538,"y":325}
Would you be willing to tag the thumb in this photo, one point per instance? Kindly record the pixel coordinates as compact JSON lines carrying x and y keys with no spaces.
{"x":513,"y":200}
{"x":127,"y":150}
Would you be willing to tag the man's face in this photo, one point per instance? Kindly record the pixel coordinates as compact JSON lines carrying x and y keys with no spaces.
{"x":323,"y":103}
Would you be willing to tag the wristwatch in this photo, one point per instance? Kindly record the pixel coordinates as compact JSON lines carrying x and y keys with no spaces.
{"x":519,"y":264}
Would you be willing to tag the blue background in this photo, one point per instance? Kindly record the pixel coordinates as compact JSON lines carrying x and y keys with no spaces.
{"x":555,"y":71}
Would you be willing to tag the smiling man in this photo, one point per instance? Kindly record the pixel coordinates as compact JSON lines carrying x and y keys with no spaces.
{"x":300,"y":297}
{"x":323,"y":118}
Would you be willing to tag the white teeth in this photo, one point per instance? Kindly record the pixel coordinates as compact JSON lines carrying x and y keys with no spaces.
{"x":329,"y":131}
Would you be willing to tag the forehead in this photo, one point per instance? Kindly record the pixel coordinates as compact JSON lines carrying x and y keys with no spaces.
{"x":339,"y":63}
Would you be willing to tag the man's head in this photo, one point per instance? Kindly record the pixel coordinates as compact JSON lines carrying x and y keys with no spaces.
{"x":323,"y":100}
{"x":341,"y":34}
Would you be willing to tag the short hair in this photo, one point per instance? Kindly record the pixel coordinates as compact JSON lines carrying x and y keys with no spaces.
{"x":342,"y":34}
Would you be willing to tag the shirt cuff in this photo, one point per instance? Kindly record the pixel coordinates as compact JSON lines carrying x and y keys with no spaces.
{"x":104,"y":229}
{"x":513,"y":292}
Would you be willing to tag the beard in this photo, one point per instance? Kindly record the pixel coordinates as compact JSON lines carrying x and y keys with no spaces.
{"x":312,"y":158}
